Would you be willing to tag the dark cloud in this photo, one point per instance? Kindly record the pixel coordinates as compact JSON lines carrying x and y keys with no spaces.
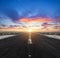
{"x":46,"y":25}
{"x":11,"y":13}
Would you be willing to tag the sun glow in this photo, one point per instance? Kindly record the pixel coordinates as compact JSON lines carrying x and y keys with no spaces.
{"x":30,"y":30}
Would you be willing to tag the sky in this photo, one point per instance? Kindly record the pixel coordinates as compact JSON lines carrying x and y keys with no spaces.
{"x":35,"y":14}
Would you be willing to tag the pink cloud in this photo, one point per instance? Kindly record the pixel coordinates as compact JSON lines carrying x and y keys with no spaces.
{"x":27,"y":20}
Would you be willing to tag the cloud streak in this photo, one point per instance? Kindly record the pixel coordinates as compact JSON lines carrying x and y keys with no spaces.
{"x":27,"y":20}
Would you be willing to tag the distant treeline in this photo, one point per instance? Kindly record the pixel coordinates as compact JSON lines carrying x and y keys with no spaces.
{"x":48,"y":33}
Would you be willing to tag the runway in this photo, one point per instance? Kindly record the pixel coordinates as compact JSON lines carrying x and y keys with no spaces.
{"x":18,"y":47}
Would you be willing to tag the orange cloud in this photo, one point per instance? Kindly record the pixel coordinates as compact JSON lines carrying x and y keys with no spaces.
{"x":27,"y":20}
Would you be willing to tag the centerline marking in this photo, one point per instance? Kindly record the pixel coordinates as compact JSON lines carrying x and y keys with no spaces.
{"x":29,"y":39}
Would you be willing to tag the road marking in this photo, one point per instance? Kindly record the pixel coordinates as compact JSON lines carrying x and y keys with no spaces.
{"x":6,"y":36}
{"x":29,"y":41}
{"x":29,"y":55}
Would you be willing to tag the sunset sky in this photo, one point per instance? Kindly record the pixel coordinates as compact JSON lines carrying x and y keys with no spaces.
{"x":39,"y":15}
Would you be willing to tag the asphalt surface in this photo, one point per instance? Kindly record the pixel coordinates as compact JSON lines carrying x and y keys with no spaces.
{"x":18,"y":47}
